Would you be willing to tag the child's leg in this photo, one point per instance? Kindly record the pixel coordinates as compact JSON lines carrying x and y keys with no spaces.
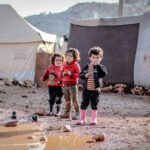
{"x":59,"y":100}
{"x":74,"y":96}
{"x":51,"y":99}
{"x":67,"y":103}
{"x":94,"y":104}
{"x":84,"y":105}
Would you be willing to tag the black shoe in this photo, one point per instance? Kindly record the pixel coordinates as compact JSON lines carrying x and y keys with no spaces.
{"x":13,"y":115}
{"x":76,"y":116}
{"x":50,"y":114}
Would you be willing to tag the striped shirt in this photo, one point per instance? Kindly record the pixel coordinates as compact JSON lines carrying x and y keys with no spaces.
{"x":90,"y":81}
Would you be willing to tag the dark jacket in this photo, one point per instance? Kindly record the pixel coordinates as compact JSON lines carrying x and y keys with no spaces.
{"x":100,"y":72}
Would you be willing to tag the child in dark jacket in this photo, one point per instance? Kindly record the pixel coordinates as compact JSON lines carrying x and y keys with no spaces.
{"x":54,"y":77}
{"x":91,"y":76}
{"x":70,"y":75}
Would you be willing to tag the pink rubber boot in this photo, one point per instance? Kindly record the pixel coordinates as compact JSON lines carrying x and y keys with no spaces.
{"x":94,"y":117}
{"x":82,"y":117}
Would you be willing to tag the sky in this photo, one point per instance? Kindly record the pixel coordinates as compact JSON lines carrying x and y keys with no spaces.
{"x":30,"y":7}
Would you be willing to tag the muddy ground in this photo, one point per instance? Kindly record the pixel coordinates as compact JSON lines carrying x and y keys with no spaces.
{"x":123,"y":119}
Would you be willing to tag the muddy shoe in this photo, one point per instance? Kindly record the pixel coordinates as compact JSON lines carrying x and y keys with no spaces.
{"x":65,"y":115}
{"x":34,"y":118}
{"x":58,"y":114}
{"x":76,"y":116}
{"x":50,"y":114}
{"x":80,"y":122}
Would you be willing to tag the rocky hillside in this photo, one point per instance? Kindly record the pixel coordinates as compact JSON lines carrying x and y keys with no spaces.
{"x":58,"y":23}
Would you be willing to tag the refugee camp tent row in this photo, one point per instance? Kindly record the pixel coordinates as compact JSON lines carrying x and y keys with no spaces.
{"x":126,"y":44}
{"x":19,"y":45}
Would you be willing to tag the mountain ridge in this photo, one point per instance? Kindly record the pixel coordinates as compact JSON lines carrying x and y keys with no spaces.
{"x":59,"y":23}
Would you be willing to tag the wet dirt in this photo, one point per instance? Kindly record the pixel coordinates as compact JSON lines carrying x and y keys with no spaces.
{"x":123,"y":119}
{"x":26,"y":137}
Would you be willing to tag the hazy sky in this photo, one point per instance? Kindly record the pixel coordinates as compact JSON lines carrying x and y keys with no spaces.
{"x":29,"y":7}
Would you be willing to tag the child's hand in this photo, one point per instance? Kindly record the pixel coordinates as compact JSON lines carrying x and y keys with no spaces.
{"x":59,"y":82}
{"x":80,"y":87}
{"x":66,"y":73}
{"x":51,"y":77}
{"x":87,"y":75}
{"x":63,"y":73}
{"x":98,"y":89}
{"x":69,"y":73}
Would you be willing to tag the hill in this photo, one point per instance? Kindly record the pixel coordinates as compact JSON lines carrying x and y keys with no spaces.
{"x":59,"y":23}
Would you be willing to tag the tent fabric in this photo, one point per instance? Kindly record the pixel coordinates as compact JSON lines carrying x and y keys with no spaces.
{"x":18,"y":61}
{"x":125,"y":42}
{"x":13,"y":28}
{"x":119,"y":48}
{"x":46,"y":37}
{"x":108,"y":21}
{"x":142,"y":59}
{"x":10,"y":33}
{"x":19,"y":43}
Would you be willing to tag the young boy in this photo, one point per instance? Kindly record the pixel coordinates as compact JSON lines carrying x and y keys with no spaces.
{"x":91,"y":76}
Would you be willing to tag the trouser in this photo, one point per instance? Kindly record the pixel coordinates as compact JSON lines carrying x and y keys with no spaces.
{"x":55,"y":95}
{"x":71,"y":94}
{"x":90,"y":97}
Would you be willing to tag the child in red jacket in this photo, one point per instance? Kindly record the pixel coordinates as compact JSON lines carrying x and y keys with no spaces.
{"x":54,"y":76}
{"x":70,"y":75}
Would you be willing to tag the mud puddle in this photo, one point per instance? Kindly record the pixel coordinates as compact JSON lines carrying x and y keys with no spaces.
{"x":17,"y":138}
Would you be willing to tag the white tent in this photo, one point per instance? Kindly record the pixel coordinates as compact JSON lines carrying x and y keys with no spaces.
{"x":19,"y":43}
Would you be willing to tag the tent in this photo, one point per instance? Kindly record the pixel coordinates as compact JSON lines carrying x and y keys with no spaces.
{"x":126,"y":45}
{"x":19,"y":42}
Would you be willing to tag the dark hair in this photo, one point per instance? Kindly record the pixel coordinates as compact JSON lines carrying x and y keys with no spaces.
{"x":75,"y":53}
{"x":56,"y":55}
{"x":95,"y":51}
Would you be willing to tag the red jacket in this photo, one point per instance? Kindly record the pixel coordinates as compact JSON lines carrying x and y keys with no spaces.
{"x":74,"y":68}
{"x":57,"y":72}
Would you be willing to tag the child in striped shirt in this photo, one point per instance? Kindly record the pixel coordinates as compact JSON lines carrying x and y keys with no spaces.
{"x":91,"y":75}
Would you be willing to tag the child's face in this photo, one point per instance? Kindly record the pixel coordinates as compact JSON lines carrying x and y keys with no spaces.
{"x":69,"y":57}
{"x":58,"y":61}
{"x":95,"y":59}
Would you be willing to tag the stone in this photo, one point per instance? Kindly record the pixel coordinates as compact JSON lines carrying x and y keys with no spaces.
{"x":98,"y":137}
{"x":43,"y":138}
{"x":28,"y":83}
{"x":11,"y":123}
{"x":8,"y":81}
{"x":66,"y":128}
{"x":31,"y":137}
{"x":137,"y":90}
{"x":107,"y":89}
{"x":21,"y":83}
{"x":2,"y":83}
{"x":40,"y":112}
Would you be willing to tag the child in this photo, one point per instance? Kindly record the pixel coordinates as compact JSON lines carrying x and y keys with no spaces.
{"x":91,"y":76}
{"x":70,"y":75}
{"x":53,"y":74}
